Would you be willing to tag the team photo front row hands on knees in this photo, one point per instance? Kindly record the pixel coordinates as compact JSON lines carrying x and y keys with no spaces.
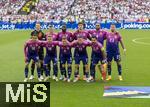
{"x":79,"y":41}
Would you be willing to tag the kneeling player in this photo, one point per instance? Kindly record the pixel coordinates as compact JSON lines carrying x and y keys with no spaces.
{"x":112,"y":48}
{"x":65,"y":57}
{"x":31,"y":52}
{"x":51,"y":55}
{"x":80,"y":54}
{"x":98,"y":54}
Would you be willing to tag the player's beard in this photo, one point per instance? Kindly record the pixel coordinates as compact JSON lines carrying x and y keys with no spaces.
{"x":112,"y":30}
{"x":97,"y":29}
{"x":63,"y":30}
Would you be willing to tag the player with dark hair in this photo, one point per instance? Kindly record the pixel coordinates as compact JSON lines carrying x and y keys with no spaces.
{"x":69,"y":37}
{"x":41,"y":37}
{"x":99,"y":33}
{"x":31,"y":52}
{"x":85,"y":35}
{"x":98,"y":55}
{"x":112,"y":49}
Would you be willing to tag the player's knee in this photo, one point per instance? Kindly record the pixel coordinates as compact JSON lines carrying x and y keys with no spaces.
{"x":69,"y":65}
{"x":76,"y":66}
{"x":37,"y":64}
{"x":109,"y":63}
{"x":27,"y":65}
{"x":63,"y":65}
{"x":33,"y":62}
{"x":86,"y":67}
{"x":118,"y":63}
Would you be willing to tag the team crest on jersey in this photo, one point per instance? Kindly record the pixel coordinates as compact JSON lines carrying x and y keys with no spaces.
{"x":49,"y":48}
{"x":101,"y":33}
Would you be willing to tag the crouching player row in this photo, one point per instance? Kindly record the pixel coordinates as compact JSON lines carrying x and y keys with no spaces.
{"x":31,"y":52}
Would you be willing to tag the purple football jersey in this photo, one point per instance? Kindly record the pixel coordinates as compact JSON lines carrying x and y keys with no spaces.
{"x":80,"y":48}
{"x":112,"y":44}
{"x":65,"y":49}
{"x":100,"y":34}
{"x":96,"y":47}
{"x":31,"y":47}
{"x":50,"y":47}
{"x":54,"y":36}
{"x":84,"y":34}
{"x":69,"y":36}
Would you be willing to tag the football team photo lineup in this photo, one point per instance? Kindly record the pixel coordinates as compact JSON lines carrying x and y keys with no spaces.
{"x":74,"y":53}
{"x":73,"y":47}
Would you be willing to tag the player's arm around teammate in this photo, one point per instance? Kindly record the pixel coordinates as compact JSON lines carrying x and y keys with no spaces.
{"x":66,"y":58}
{"x":80,"y":54}
{"x":31,"y":53}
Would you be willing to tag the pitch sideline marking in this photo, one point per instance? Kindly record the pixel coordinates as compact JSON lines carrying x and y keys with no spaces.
{"x":136,"y":40}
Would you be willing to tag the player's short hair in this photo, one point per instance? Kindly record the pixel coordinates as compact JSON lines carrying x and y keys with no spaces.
{"x":49,"y":36}
{"x":38,"y":23}
{"x":80,"y":23}
{"x":113,"y":24}
{"x":64,"y":25}
{"x":97,"y":24}
{"x":80,"y":36}
{"x":34,"y":33}
{"x":94,"y":36}
{"x":50,"y":26}
{"x":64,"y":37}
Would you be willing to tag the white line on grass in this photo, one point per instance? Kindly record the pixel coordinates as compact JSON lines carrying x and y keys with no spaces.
{"x":136,"y":40}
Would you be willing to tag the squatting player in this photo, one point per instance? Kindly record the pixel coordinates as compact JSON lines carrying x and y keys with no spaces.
{"x":66,"y":58}
{"x":55,"y":38}
{"x":41,"y":37}
{"x":69,"y":37}
{"x":98,"y":55}
{"x":31,"y":52}
{"x":112,"y":49}
{"x":81,"y":55}
{"x":85,"y":35}
{"x":51,"y":55}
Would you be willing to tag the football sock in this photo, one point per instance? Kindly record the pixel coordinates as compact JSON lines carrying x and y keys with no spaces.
{"x":109,"y":69}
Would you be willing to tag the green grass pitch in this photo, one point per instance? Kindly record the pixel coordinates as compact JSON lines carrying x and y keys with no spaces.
{"x":136,"y":72}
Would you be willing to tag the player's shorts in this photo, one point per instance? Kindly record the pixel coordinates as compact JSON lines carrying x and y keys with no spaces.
{"x":64,"y":59}
{"x":49,"y":58}
{"x":35,"y":58}
{"x":116,"y":57}
{"x":95,"y":59}
{"x":84,"y":59}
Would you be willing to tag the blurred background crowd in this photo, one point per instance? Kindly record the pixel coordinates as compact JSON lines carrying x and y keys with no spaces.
{"x":75,"y":10}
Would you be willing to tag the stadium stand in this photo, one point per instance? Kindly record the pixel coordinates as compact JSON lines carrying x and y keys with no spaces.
{"x":103,"y":10}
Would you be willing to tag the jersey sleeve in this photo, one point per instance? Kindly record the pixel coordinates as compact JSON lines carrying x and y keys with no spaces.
{"x":105,"y":33}
{"x":75,"y":35}
{"x":56,"y":43}
{"x":71,"y":37}
{"x":88,"y":43}
{"x":88,"y":35}
{"x":72,"y":44}
{"x":42,"y":43}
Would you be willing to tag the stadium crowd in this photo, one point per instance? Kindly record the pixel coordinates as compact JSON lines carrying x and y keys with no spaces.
{"x":103,"y":10}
